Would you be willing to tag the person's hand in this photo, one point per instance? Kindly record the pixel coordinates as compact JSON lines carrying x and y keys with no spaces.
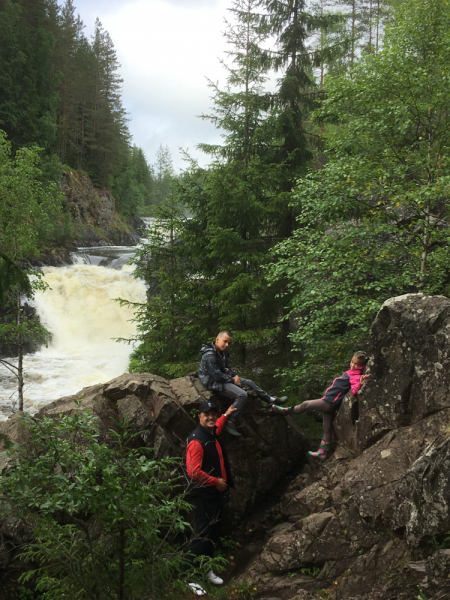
{"x":230,"y":411}
{"x":237,"y":381}
{"x":221,"y":485}
{"x":364,"y":378}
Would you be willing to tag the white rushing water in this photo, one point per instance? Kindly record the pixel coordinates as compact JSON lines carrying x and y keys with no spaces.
{"x":83,"y":317}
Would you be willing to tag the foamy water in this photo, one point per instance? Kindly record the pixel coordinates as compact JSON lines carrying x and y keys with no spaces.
{"x":80,"y":312}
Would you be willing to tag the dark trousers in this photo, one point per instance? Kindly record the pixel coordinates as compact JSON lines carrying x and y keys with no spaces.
{"x":207,"y":521}
{"x":239,"y":396}
{"x":329,"y":412}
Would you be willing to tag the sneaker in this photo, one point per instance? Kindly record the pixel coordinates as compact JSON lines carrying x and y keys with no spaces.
{"x":213,"y":578}
{"x":197,"y":589}
{"x":279,"y":401}
{"x":230,"y":429}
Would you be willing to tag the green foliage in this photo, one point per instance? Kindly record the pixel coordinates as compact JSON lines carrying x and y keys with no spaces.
{"x":28,"y":97}
{"x":104,"y":517}
{"x":422,"y":595}
{"x":311,"y":571}
{"x":26,"y":202}
{"x":444,"y":542}
{"x":374,"y":222}
{"x":62,"y":92}
{"x":26,"y":209}
{"x":165,"y":322}
{"x":235,"y":204}
{"x":230,"y":544}
{"x":11,"y":275}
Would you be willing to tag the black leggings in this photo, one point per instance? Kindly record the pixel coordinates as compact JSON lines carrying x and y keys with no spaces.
{"x":329,"y":412}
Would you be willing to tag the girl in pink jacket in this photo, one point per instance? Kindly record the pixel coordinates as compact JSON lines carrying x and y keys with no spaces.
{"x":330,"y":402}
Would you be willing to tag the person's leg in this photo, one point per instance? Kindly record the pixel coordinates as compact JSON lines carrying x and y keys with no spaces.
{"x":318,"y":404}
{"x":264,"y":396}
{"x":329,"y":412}
{"x":239,"y":397}
{"x":328,"y":418}
{"x":200,"y":544}
{"x":206,"y":535}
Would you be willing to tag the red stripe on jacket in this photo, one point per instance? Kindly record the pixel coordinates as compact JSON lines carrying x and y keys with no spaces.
{"x":194,"y":458}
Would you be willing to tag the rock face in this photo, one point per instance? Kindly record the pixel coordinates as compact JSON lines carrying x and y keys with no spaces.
{"x":367,"y":523}
{"x":94,"y":213}
{"x":166,"y":413}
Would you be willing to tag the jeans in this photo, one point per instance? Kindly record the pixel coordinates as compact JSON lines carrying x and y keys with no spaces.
{"x":239,"y":395}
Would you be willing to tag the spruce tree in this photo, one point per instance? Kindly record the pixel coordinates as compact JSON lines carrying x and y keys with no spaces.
{"x":232,"y":202}
{"x":28,"y":97}
{"x":109,"y":129}
{"x":164,"y":343}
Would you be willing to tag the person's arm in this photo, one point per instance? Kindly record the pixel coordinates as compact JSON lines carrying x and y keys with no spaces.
{"x":222,"y":420}
{"x":355,"y":381}
{"x":214,"y":371}
{"x":194,"y":459}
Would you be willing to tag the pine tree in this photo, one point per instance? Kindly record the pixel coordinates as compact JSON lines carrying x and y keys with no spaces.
{"x":24,"y":209}
{"x":28,"y":97}
{"x":233,"y":202}
{"x":165,"y":322}
{"x":110,"y":134}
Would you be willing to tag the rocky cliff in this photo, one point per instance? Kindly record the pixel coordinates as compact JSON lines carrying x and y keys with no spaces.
{"x":94,"y":213}
{"x":373,"y":521}
{"x":370,"y":523}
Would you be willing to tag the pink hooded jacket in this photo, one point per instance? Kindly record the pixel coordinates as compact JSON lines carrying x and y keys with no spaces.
{"x":350,"y":380}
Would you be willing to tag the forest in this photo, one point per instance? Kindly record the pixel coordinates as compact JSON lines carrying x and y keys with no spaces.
{"x":327,"y":195}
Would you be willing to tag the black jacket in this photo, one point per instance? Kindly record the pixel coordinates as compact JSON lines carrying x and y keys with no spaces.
{"x":215,"y":369}
{"x":210,"y":463}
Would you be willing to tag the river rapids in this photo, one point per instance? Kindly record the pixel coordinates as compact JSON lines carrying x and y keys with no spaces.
{"x":80,"y":311}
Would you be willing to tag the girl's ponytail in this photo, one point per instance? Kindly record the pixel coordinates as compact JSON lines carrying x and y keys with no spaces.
{"x":361,"y":356}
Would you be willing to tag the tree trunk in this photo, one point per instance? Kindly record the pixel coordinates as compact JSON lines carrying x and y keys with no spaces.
{"x":20,"y":351}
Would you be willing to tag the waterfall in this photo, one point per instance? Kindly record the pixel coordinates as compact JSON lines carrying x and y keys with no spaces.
{"x":80,"y":312}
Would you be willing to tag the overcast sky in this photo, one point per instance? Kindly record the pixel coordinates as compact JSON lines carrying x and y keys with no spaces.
{"x":167,"y":49}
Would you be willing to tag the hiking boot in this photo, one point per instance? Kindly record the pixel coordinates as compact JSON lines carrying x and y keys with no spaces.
{"x":279,"y":401}
{"x":281,"y":411}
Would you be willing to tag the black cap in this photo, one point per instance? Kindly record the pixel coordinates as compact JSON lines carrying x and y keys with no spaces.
{"x":209,"y":405}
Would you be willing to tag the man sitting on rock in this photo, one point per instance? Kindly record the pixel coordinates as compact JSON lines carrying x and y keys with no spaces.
{"x":216,"y":374}
{"x":209,"y":473}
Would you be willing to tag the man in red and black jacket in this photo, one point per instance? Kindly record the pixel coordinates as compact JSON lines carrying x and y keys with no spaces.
{"x":209,"y":471}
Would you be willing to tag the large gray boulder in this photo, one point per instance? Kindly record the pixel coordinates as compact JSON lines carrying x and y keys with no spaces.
{"x":367,"y":523}
{"x":164,"y":414}
{"x":410,"y":371}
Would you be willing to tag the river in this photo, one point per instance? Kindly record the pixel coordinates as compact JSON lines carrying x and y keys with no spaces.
{"x":80,"y":312}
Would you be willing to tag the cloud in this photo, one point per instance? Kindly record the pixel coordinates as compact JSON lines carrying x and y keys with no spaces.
{"x":167,"y":49}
